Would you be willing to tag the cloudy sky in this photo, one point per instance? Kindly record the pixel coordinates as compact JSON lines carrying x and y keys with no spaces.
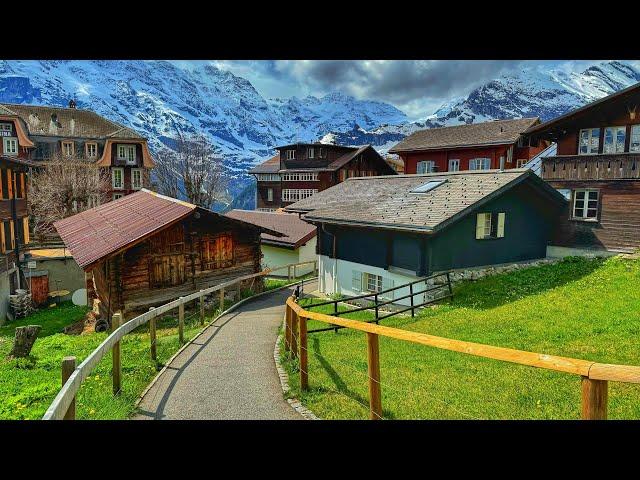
{"x":417,"y":87}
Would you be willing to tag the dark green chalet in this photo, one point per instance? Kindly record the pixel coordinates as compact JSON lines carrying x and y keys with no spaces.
{"x":378,"y":232}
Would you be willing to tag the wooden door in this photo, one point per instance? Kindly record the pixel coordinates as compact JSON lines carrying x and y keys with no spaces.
{"x":167,"y":270}
{"x":217,"y":252}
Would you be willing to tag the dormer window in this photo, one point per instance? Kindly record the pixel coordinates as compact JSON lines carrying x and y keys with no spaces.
{"x":290,"y":154}
{"x":5,"y":129}
{"x":68,"y":148}
{"x":91,"y":149}
{"x":310,"y":152}
{"x":10,"y":146}
{"x":127,"y":153}
{"x":320,"y":152}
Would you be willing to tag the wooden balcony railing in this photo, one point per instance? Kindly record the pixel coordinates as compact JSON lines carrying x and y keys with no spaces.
{"x":592,"y":167}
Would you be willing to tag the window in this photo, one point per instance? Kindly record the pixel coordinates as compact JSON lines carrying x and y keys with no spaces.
{"x":426,"y":187}
{"x":116,"y":196}
{"x":10,"y":145}
{"x":589,"y":141}
{"x":5,"y":129}
{"x":614,"y":138}
{"x":269,"y":194}
{"x":480,"y":164}
{"x":320,"y":152}
{"x":634,"y":143}
{"x":266,"y":209}
{"x":268,"y":177}
{"x":91,"y":149}
{"x":521,"y":162}
{"x":68,"y":148}
{"x":117,"y":178}
{"x":300,"y":177}
{"x":490,"y":225}
{"x":136,"y":178}
{"x":127,"y":153}
{"x":295,"y":194}
{"x":585,"y":204}
{"x":372,"y":283}
{"x":454,"y":165}
{"x":427,"y":166}
{"x":290,"y":154}
{"x":310,"y":152}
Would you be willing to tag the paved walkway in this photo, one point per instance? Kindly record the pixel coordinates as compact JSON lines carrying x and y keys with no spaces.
{"x":228,"y":372}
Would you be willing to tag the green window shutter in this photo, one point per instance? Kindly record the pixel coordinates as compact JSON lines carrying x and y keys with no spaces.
{"x":480,"y":226}
{"x":501,"y":217}
{"x":356,"y":281}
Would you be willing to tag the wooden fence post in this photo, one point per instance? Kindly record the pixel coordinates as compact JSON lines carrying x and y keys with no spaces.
{"x":594,"y":399}
{"x":304,"y":369}
{"x":116,"y":370}
{"x":201,"y":308}
{"x":181,"y":320}
{"x":68,"y":366}
{"x":222,"y":300}
{"x":294,"y":333}
{"x":295,"y":275}
{"x":411,"y":293}
{"x":287,"y":328}
{"x":152,"y":335}
{"x":375,"y":392}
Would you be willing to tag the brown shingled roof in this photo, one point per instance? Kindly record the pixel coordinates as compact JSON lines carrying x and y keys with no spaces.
{"x":297,"y":232}
{"x":389,"y":202}
{"x":269,"y":166}
{"x":496,"y":132}
{"x":69,"y":122}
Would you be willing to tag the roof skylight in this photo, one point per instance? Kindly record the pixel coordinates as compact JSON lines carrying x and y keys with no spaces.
{"x":426,"y":187}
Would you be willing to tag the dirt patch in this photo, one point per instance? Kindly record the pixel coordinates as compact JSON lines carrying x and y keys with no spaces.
{"x":83,"y":326}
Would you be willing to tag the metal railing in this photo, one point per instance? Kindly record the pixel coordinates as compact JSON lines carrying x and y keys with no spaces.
{"x":388,"y":299}
{"x":63,"y":405}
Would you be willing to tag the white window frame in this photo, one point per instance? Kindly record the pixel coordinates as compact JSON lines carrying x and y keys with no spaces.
{"x":300,"y":177}
{"x":584,"y":210}
{"x":113,"y":178}
{"x":5,"y":126}
{"x":635,"y":131}
{"x":139,"y":186}
{"x":480,"y":163}
{"x":369,"y":280}
{"x":617,"y":147}
{"x":426,"y":166}
{"x":456,"y":162}
{"x":116,"y":196}
{"x":311,"y":152}
{"x":8,"y":142}
{"x":290,"y":154}
{"x":296,"y":194}
{"x":590,"y":143}
{"x":123,"y":153}
{"x":268,"y":177}
{"x":87,"y":147}
{"x":269,"y":194}
{"x":484,"y":225}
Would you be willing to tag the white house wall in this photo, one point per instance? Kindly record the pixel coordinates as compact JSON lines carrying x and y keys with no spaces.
{"x":277,"y":256}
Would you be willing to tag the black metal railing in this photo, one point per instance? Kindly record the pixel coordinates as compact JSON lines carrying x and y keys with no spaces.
{"x":383,"y":294}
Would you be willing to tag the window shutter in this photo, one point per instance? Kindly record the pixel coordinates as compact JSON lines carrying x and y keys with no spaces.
{"x":480,"y":226}
{"x":387,"y":283}
{"x":356,"y":281}
{"x":501,"y":217}
{"x":494,"y":225}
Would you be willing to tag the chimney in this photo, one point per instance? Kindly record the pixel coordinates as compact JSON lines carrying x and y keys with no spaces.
{"x":72,"y":103}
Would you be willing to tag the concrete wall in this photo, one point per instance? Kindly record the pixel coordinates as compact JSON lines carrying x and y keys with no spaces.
{"x":277,"y":256}
{"x":5,"y":291}
{"x":66,"y":271}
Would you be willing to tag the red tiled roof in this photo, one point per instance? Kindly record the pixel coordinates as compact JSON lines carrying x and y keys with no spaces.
{"x":297,"y":232}
{"x":101,"y":231}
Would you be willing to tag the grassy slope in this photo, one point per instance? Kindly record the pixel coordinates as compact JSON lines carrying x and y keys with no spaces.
{"x":578,"y":308}
{"x":28,"y":386}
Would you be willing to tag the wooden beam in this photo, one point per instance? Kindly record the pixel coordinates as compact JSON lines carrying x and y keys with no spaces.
{"x":304,"y":364}
{"x":116,"y":370}
{"x":181,"y":320}
{"x":201,"y":307}
{"x":152,"y":336}
{"x":594,"y":399}
{"x":68,"y":366}
{"x":373,"y":367}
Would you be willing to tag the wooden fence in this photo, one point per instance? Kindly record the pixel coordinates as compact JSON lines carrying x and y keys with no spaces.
{"x":595,"y":376}
{"x":63,"y":405}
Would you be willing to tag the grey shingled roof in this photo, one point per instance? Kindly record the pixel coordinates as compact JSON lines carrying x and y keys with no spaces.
{"x":387,"y":202}
{"x":496,"y":132}
{"x":70,"y":122}
{"x":297,"y":232}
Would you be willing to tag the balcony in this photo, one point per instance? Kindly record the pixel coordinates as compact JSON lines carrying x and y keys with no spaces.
{"x":620,"y":166}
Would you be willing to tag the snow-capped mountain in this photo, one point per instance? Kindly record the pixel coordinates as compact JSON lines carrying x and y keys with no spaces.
{"x":533,"y":92}
{"x":159,"y":98}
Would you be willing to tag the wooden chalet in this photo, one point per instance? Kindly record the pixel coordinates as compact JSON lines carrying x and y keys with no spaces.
{"x":40,"y":133}
{"x":146,"y":249}
{"x":378,"y":233}
{"x":299,"y":170}
{"x":597,"y":168}
{"x":498,"y":144}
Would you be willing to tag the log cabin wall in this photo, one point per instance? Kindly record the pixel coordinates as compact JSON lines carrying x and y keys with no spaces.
{"x":188,"y":256}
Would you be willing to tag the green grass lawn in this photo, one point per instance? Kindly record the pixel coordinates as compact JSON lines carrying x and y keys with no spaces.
{"x":588,"y":309}
{"x":27,"y":386}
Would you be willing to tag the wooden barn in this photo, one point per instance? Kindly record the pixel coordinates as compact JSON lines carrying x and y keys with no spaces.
{"x":146,"y":249}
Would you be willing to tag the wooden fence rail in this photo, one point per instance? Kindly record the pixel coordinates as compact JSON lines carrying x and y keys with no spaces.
{"x":595,"y":376}
{"x":63,"y":405}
